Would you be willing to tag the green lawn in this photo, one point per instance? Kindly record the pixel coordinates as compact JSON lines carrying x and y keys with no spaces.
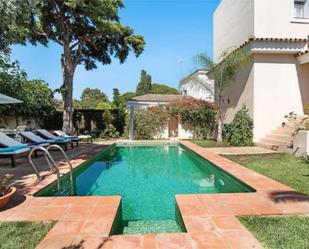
{"x":284,"y":232}
{"x":281,"y":232}
{"x":25,"y":235}
{"x":208,"y":143}
{"x":284,"y":168}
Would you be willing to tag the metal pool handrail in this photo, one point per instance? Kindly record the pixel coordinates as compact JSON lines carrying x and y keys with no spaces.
{"x":51,"y":162}
{"x":67,"y":161}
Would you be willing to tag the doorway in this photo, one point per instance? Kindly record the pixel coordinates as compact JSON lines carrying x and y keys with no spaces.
{"x":173,"y":127}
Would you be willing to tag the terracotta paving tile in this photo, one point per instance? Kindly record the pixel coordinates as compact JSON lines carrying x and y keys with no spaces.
{"x":213,"y":206}
{"x":190,"y":205}
{"x":66,"y":228}
{"x":106,"y":211}
{"x":198,"y":224}
{"x":77,"y":213}
{"x":240,"y":240}
{"x":97,"y":227}
{"x":85,"y":201}
{"x":173,"y":241}
{"x":227,"y":223}
{"x":109,"y":200}
{"x":56,"y":242}
{"x":89,"y":242}
{"x":149,"y":241}
{"x":208,"y":240}
{"x":50,"y":213}
{"x":124,"y":242}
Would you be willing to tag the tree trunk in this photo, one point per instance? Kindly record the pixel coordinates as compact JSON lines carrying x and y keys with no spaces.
{"x":68,"y":102}
{"x":68,"y":69}
{"x":220,"y":128}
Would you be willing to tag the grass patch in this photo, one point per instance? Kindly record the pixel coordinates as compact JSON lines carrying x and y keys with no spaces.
{"x":26,"y":235}
{"x":284,"y":168}
{"x":209,"y":143}
{"x":279,"y":232}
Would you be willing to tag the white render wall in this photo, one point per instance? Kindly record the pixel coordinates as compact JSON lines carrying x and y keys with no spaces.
{"x":236,"y":20}
{"x":276,"y":92}
{"x":275,"y":19}
{"x":233,"y":24}
{"x":200,"y":92}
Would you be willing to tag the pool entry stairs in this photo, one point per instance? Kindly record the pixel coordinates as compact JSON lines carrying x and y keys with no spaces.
{"x":145,"y":227}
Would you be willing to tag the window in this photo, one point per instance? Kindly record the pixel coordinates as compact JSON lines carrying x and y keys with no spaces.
{"x":301,"y":9}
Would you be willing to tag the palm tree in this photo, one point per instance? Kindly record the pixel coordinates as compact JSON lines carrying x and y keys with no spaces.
{"x":231,"y":60}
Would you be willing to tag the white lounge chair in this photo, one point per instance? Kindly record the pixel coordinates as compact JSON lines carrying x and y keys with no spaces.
{"x":11,"y":148}
{"x":60,"y":133}
{"x":80,"y":137}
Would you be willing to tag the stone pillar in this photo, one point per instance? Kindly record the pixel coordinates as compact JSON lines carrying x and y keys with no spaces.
{"x":131,"y":130}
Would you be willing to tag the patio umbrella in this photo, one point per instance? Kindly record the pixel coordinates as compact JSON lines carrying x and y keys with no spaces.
{"x":8,"y":100}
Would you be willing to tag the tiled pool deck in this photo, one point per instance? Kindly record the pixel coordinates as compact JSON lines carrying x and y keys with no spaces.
{"x":210,"y":219}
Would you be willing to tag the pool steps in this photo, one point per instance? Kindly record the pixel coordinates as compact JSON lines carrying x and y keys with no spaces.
{"x":146,"y":227}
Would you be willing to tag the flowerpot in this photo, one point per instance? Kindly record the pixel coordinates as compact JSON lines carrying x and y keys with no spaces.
{"x":301,"y":143}
{"x":5,"y":199}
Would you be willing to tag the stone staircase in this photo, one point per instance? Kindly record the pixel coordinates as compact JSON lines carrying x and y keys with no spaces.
{"x":146,"y":227}
{"x":281,"y":139}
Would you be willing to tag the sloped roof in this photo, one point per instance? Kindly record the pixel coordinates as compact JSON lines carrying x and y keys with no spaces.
{"x":8,"y":100}
{"x":157,"y":98}
{"x":266,"y":39}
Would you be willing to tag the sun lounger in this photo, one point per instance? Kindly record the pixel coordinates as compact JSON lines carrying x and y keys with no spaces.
{"x":33,"y":138}
{"x":60,"y":133}
{"x":11,"y":148}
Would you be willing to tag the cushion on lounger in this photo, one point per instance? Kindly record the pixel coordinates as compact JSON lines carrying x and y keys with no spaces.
{"x":13,"y":148}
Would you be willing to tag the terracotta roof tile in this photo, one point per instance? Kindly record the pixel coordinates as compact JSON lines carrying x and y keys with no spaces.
{"x":157,"y":97}
{"x":265,"y":39}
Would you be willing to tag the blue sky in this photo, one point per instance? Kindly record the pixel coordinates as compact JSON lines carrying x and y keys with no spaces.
{"x":174,"y":31}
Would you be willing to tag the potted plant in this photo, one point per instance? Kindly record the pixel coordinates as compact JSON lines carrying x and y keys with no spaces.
{"x":6,"y":191}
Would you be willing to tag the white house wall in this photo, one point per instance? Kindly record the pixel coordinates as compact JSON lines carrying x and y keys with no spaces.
{"x":199,"y":92}
{"x":276,"y":91}
{"x":239,"y":92}
{"x":275,"y":19}
{"x":233,"y":24}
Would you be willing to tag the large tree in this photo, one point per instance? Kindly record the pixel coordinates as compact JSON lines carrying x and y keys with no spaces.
{"x":144,"y":85}
{"x":91,"y":97}
{"x":88,"y":31}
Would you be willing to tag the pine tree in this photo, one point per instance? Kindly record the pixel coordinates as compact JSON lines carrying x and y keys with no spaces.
{"x":144,"y":86}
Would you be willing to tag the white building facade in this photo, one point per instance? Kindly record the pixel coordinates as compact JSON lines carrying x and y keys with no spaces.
{"x":173,"y":127}
{"x":199,"y":86}
{"x":276,"y":81}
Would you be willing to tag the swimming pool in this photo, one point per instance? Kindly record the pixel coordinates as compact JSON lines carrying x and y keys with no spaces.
{"x":148,"y":178}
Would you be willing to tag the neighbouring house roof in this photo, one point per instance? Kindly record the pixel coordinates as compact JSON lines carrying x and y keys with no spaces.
{"x":157,"y":98}
{"x":8,"y":100}
{"x":267,"y":39}
{"x":196,"y":73}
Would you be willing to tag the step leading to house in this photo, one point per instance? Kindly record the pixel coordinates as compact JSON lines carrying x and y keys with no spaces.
{"x":281,"y":139}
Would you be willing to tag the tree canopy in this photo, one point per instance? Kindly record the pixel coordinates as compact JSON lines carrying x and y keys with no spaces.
{"x":36,"y":96}
{"x":163,"y":89}
{"x":144,"y":85}
{"x":91,"y":97}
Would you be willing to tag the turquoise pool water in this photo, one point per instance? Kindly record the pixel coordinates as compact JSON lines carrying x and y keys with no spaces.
{"x":148,"y":178}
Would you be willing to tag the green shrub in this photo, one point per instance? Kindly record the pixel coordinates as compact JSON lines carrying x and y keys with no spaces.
{"x":150,"y":123}
{"x":109,"y":132}
{"x":196,"y":116}
{"x":240,"y":131}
